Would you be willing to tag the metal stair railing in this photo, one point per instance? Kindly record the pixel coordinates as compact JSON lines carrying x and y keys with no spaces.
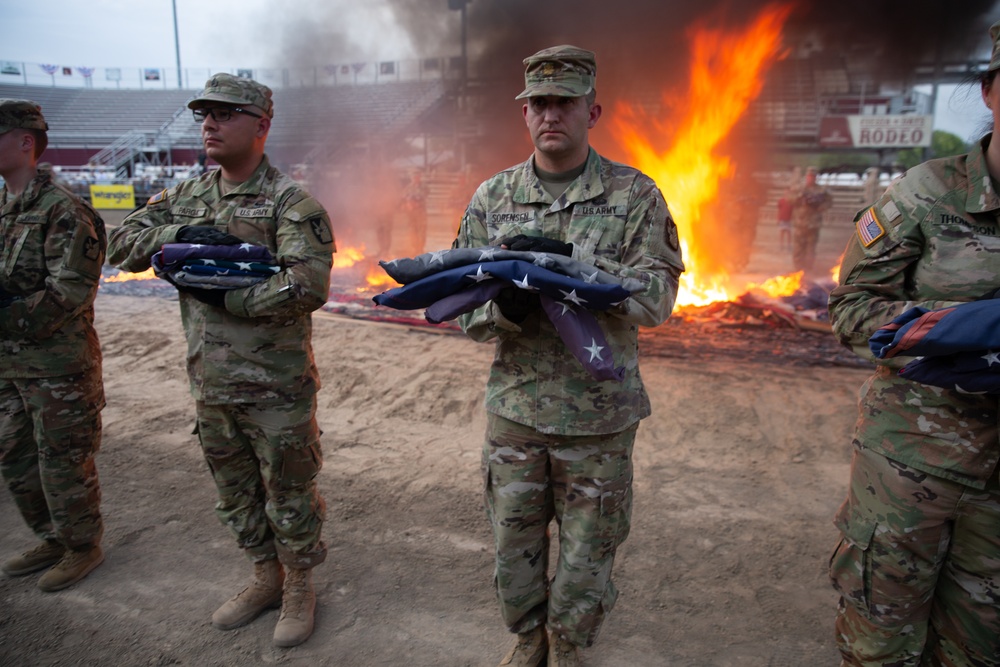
{"x":166,"y":134}
{"x":122,"y":151}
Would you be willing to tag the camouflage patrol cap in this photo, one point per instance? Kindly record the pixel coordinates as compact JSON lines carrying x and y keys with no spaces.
{"x":995,"y":38}
{"x":564,"y":71}
{"x":24,"y":114}
{"x":230,"y":89}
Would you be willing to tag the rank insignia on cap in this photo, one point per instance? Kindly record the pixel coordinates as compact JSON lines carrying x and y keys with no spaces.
{"x":870,"y":229}
{"x":548,"y":69}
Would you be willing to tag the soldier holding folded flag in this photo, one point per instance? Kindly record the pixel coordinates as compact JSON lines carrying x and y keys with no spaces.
{"x":918,"y":563}
{"x":558,"y":443}
{"x":250,"y":357}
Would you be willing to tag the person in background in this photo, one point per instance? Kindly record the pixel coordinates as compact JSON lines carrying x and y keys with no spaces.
{"x":52,"y":247}
{"x":809,"y":201}
{"x":414,"y":204}
{"x":559,"y":444}
{"x":250,"y":357}
{"x":784,"y":223}
{"x":918,"y":563}
{"x":871,"y":185}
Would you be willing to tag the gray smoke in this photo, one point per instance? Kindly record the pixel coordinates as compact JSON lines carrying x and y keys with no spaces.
{"x":642,"y":45}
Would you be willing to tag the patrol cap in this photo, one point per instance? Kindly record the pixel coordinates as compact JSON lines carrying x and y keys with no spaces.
{"x":237,"y":90}
{"x":564,"y":71}
{"x":995,"y":38}
{"x":21,"y":114}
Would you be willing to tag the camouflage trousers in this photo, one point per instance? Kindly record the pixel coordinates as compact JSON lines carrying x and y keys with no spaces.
{"x":918,"y":568}
{"x":804,"y":240}
{"x":585,"y":484}
{"x":50,"y":432}
{"x":264,"y":459}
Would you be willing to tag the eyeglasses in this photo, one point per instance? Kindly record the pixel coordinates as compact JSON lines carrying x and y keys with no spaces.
{"x":220,"y":114}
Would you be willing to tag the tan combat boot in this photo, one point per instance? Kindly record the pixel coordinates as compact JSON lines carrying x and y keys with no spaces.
{"x":529,"y":651}
{"x":264,"y":592}
{"x":298,"y":605}
{"x":562,"y":653}
{"x":74,"y":565}
{"x":40,"y":557}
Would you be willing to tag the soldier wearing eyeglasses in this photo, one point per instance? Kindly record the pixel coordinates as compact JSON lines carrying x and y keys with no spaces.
{"x":250,"y":359}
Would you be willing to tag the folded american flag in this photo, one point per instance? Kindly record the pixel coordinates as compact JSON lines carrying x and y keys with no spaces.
{"x":449,"y":283}
{"x":214,"y":266}
{"x":408,"y":269}
{"x":958,"y":347}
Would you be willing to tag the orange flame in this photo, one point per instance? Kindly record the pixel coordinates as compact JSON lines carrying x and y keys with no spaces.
{"x":378,"y":278}
{"x":779,"y":285}
{"x":349,"y":261}
{"x":125,"y":276}
{"x":347,"y":257}
{"x":726,"y":74}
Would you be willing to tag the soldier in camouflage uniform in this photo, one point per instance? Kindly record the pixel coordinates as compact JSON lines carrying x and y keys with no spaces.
{"x":809,"y":201}
{"x":250,"y":358}
{"x":52,"y":247}
{"x":559,"y":444}
{"x":918,"y":565}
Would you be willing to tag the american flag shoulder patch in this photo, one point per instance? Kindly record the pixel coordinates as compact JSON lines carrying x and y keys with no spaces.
{"x":870,"y":229}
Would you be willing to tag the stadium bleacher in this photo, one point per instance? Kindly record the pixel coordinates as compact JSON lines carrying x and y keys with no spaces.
{"x":315,"y":122}
{"x":84,"y":118}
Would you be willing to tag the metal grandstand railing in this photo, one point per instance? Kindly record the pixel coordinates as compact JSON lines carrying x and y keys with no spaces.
{"x":134,"y":146}
{"x":120,"y":155}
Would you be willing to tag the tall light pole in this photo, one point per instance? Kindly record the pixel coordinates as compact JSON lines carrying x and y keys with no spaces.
{"x":177,"y":46}
{"x":460,"y":5}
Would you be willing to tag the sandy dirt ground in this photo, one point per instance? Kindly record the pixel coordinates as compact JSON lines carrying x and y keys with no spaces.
{"x":738,"y":474}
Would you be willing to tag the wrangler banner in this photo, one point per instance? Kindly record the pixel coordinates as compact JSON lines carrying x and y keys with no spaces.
{"x":112,"y":196}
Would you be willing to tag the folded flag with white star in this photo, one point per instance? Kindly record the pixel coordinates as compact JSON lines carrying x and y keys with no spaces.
{"x":449,"y":290}
{"x":214,"y":266}
{"x":408,"y":269}
{"x":958,"y":347}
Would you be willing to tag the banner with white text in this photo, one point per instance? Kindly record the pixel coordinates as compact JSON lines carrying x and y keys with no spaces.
{"x":899,"y":131}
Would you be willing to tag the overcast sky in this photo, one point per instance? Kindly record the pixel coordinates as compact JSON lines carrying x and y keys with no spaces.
{"x":226,"y":34}
{"x":212,"y":33}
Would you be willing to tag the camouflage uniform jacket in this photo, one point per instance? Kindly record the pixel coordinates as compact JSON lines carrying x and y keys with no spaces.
{"x":52,"y":247}
{"x":931,"y":240}
{"x":616,"y":219}
{"x":258,"y":348}
{"x":808,"y":205}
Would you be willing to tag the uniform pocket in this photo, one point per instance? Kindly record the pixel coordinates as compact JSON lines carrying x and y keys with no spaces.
{"x":19,"y":237}
{"x":299,"y":465}
{"x":611,"y":239}
{"x":614,"y":519}
{"x":851,"y":561}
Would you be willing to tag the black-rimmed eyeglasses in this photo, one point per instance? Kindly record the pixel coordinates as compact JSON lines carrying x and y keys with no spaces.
{"x":220,"y":114}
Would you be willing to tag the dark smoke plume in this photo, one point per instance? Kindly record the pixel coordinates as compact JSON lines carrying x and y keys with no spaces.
{"x":642,"y":45}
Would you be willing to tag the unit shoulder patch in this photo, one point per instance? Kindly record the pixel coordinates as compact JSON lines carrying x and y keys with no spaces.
{"x":320,"y":235}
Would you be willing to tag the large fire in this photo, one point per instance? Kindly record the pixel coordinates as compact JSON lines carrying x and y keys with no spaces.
{"x":727,"y":72}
